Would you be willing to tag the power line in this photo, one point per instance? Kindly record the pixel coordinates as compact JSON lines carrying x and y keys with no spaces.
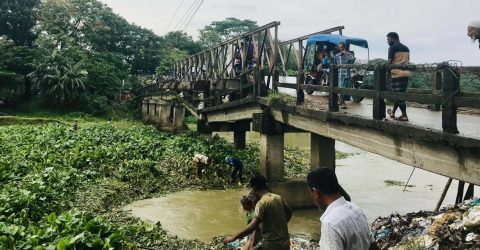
{"x":190,"y":14}
{"x":173,"y":17}
{"x":195,"y":12}
{"x":187,"y":13}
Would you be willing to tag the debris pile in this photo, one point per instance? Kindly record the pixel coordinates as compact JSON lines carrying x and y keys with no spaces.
{"x":297,"y":242}
{"x":451,"y":228}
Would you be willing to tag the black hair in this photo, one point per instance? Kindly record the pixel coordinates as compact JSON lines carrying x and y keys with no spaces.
{"x":393,"y":35}
{"x":324,"y":180}
{"x":258,"y":183}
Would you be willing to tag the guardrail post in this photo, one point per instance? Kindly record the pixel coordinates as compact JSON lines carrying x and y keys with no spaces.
{"x":256,"y":81}
{"x":451,"y":88}
{"x":300,"y":81}
{"x":380,"y":75}
{"x":436,"y":88}
{"x":333,"y":83}
{"x":276,"y":78}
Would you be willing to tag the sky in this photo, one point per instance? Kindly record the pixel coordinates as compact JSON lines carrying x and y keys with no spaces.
{"x":434,"y":30}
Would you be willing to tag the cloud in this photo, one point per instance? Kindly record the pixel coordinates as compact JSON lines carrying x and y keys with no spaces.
{"x":434,"y":30}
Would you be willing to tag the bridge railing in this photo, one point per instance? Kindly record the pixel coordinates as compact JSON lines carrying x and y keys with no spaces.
{"x":232,"y":58}
{"x":445,"y":90}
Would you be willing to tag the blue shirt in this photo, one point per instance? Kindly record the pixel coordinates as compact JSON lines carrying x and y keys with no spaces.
{"x":236,"y":163}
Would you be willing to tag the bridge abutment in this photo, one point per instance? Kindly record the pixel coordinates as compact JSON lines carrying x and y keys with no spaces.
{"x":164,"y":113}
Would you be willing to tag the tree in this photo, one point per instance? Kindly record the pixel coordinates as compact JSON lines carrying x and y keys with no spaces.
{"x":182,"y":41}
{"x":106,"y":71}
{"x":17,"y":18}
{"x":219,"y":31}
{"x":59,"y":79}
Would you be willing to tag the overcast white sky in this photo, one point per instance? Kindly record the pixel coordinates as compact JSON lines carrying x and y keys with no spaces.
{"x":434,"y":30}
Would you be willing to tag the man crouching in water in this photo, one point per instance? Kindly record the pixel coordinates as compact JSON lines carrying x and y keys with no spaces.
{"x":272,"y":214}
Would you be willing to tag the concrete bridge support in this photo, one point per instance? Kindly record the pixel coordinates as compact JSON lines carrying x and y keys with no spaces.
{"x":239,"y":139}
{"x":151,"y":108}
{"x":164,"y":113}
{"x":204,"y":129}
{"x":272,"y":161}
{"x":145,"y":109}
{"x":271,"y":156}
{"x":178,"y":117}
{"x":322,"y":151}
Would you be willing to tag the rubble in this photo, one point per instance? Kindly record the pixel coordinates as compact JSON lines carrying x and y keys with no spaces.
{"x":451,"y":228}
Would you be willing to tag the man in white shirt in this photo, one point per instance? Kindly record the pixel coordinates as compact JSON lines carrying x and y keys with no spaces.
{"x":200,"y":162}
{"x":344,"y":225}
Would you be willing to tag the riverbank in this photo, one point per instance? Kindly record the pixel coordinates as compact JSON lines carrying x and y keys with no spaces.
{"x":62,"y":188}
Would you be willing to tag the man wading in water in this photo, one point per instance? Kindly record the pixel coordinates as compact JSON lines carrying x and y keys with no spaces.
{"x":272,"y":214}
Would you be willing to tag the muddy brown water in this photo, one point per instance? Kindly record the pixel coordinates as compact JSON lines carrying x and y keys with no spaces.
{"x":205,"y":214}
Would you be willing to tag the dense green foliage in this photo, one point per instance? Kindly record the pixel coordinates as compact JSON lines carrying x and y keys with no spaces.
{"x":48,"y":171}
{"x":58,"y":182}
{"x":60,"y":188}
{"x":70,"y":52}
{"x":220,"y":31}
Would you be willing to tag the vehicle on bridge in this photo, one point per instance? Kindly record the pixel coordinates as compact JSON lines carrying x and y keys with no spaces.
{"x":319,"y":54}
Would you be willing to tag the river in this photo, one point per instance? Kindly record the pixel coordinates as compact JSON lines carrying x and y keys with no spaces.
{"x":205,"y":214}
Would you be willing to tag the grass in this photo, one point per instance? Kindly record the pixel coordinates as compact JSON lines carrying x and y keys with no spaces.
{"x":35,"y":112}
{"x":278,"y":98}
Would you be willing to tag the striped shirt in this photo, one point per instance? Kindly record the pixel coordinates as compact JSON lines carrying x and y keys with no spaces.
{"x":344,"y":226}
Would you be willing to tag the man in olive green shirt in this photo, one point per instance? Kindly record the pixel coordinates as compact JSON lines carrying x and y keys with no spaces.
{"x":272,"y":214}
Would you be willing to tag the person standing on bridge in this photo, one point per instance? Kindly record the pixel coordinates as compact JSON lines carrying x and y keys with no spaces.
{"x":473,"y":31}
{"x":398,"y":54}
{"x":344,"y":224}
{"x":272,"y":214}
{"x":344,"y":57}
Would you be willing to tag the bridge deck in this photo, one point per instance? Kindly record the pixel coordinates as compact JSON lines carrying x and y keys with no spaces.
{"x":468,"y":125}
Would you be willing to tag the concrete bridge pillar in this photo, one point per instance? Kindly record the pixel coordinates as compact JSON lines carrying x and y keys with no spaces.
{"x":271,"y":146}
{"x":240,"y":129}
{"x":271,"y":156}
{"x":272,"y":162}
{"x":164,"y":113}
{"x":155,"y":113}
{"x":239,"y":139}
{"x":322,"y":151}
{"x":178,"y":117}
{"x":204,"y":129}
{"x":145,"y":109}
{"x":151,"y":109}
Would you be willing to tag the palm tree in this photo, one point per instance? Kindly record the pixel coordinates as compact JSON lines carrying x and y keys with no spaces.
{"x":59,"y":80}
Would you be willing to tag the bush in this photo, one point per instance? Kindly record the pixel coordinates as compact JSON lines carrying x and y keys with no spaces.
{"x":94,"y":104}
